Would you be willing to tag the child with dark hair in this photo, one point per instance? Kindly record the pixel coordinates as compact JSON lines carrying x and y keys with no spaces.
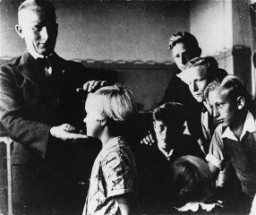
{"x":192,"y":184}
{"x":171,"y":143}
{"x":192,"y":179}
{"x":184,"y":47}
{"x":168,"y":122}
{"x":234,"y":140}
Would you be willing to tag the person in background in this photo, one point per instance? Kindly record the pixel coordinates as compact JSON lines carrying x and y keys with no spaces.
{"x":168,"y":123}
{"x":171,"y":143}
{"x":234,"y":140}
{"x":192,"y":184}
{"x":184,"y":47}
{"x":41,"y":111}
{"x":110,"y":111}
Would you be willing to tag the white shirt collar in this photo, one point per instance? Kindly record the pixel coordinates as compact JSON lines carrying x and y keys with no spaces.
{"x":249,"y":126}
{"x":166,"y":154}
{"x":35,"y":55}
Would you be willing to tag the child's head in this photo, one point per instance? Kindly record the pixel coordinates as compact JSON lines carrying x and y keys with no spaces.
{"x":184,"y":47}
{"x":112,"y":107}
{"x":228,"y":100}
{"x":168,"y":122}
{"x":191,"y":180}
{"x":199,"y":73}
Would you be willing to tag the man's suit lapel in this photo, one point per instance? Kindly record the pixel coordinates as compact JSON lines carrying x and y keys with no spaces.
{"x":29,"y":68}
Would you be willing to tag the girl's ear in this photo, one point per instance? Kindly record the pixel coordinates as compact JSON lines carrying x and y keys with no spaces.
{"x":240,"y":102}
{"x":19,"y":31}
{"x":103,"y":122}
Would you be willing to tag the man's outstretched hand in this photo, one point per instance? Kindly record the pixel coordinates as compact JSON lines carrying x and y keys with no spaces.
{"x":66,"y":132}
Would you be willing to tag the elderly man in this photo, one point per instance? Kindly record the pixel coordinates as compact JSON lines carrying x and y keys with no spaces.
{"x":42,"y":112}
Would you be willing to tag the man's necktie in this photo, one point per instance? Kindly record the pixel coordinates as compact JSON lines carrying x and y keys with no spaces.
{"x":46,"y":64}
{"x":51,"y":92}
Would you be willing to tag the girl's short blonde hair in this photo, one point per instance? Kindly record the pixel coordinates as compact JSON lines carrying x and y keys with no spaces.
{"x":118,"y":103}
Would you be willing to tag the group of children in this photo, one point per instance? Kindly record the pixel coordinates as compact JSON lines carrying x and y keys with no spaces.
{"x":227,"y":138}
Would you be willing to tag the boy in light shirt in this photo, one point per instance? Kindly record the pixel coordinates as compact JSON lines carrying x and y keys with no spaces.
{"x":113,"y":178}
{"x":234,"y":139}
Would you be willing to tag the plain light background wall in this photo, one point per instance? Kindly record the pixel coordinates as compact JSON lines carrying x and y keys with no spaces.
{"x":105,"y":30}
{"x":211,"y":22}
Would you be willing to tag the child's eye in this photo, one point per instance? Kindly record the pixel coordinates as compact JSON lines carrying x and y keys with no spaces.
{"x":201,"y":79}
{"x":160,"y":128}
{"x":219,"y":105}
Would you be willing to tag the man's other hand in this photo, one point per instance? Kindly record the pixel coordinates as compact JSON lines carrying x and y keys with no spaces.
{"x":66,"y":132}
{"x":92,"y":86}
{"x":148,"y":140}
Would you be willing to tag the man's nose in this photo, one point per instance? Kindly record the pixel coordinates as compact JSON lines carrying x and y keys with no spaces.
{"x":44,"y":33}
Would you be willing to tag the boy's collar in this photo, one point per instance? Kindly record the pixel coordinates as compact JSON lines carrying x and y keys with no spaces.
{"x":249,"y":126}
{"x":166,"y":154}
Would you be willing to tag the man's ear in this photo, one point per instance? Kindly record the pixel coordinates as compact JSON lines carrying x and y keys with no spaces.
{"x":19,"y":31}
{"x":240,"y":102}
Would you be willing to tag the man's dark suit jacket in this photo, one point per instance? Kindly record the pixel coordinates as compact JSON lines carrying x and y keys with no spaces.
{"x":30,"y":104}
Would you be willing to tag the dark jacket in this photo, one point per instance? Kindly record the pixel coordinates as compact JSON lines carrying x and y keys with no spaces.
{"x":31,"y":103}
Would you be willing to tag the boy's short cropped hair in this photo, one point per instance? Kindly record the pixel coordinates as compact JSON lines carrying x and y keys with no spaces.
{"x":118,"y":103}
{"x":170,"y":112}
{"x":210,"y":65}
{"x":191,"y":180}
{"x":184,"y":37}
{"x":232,"y":86}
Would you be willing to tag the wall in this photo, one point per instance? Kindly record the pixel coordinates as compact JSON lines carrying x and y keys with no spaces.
{"x":105,"y":30}
{"x":211,"y":22}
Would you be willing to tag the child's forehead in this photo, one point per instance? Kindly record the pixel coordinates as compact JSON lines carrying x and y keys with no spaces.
{"x":199,"y":70}
{"x":219,"y":95}
{"x":94,"y":102}
{"x":194,"y":72}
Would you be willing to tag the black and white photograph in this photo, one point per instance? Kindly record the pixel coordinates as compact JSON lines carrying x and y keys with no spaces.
{"x":127,"y":107}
